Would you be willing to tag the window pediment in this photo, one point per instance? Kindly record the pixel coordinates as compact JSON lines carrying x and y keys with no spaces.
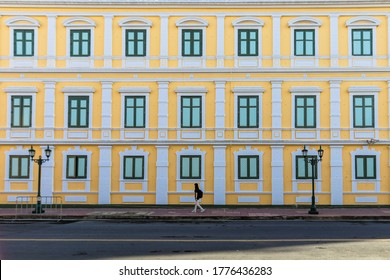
{"x":362,"y":21}
{"x":305,"y":22}
{"x":22,"y":22}
{"x":248,"y":22}
{"x":192,"y":22}
{"x":79,"y":22}
{"x":136,"y":22}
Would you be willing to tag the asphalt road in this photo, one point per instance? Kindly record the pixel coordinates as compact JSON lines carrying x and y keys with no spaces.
{"x":233,"y":240}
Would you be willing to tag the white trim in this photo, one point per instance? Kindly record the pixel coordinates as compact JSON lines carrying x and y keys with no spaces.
{"x":19,"y":23}
{"x":308,"y":23}
{"x":277,"y":169}
{"x":84,"y":23}
{"x":134,"y":151}
{"x":248,"y":151}
{"x":248,"y":133}
{"x":105,"y":167}
{"x":192,"y":23}
{"x":163,"y":88}
{"x":76,"y":151}
{"x":248,"y":23}
{"x":306,"y":133}
{"x":219,"y":175}
{"x":162,"y":176}
{"x":136,"y":23}
{"x":359,"y":133}
{"x":359,"y":23}
{"x":336,"y":175}
{"x":220,"y":88}
{"x":295,"y":181}
{"x":17,"y":151}
{"x":23,"y":132}
{"x":134,"y":133}
{"x":366,"y":152}
{"x":276,"y":40}
{"x":276,"y":109}
{"x":190,"y":152}
{"x":191,"y":133}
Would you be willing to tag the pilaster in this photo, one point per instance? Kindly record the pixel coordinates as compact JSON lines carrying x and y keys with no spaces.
{"x":220,"y":41}
{"x":106,"y":110}
{"x":334,"y":40}
{"x":108,"y":41}
{"x":276,"y":40}
{"x":276,"y":109}
{"x":277,"y":166}
{"x":105,"y":165}
{"x":47,"y":175}
{"x":335,"y":113}
{"x":162,"y":164}
{"x":219,"y":175}
{"x":336,"y":175}
{"x":220,"y":110}
{"x":51,"y":41}
{"x":163,"y":110}
{"x":164,"y":35}
{"x":49,"y":111}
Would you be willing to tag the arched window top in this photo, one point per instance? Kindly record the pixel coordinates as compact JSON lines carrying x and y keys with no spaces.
{"x":23,"y":22}
{"x":79,"y":22}
{"x":248,"y":22}
{"x":362,"y":21}
{"x":305,"y":22}
{"x":192,"y":22}
{"x":136,"y":22}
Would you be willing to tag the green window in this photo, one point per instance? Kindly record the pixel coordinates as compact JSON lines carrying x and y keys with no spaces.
{"x":21,"y":108}
{"x":305,"y":111}
{"x":304,"y":167}
{"x":80,"y":42}
{"x":134,"y":111}
{"x":363,"y":111}
{"x":248,"y":111}
{"x":133,"y":167}
{"x":191,"y":112}
{"x":248,"y":167}
{"x":304,"y":42}
{"x":248,"y":44}
{"x":135,"y":42}
{"x":19,"y":167}
{"x":23,"y":42}
{"x":76,"y":167}
{"x":192,"y":42}
{"x":362,"y":42}
{"x":365,"y":167}
{"x":190,"y":167}
{"x":78,"y":111}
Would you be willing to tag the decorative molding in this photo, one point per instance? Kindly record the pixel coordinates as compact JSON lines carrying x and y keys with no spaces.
{"x":20,"y":22}
{"x":79,"y":22}
{"x":305,"y":22}
{"x":362,"y":21}
{"x":135,"y":22}
{"x":192,"y":22}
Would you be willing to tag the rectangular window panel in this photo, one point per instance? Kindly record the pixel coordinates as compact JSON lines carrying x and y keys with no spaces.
{"x":19,"y":167}
{"x":134,"y":111}
{"x":78,"y":111}
{"x":304,"y":44}
{"x":136,"y":43}
{"x":304,"y":167}
{"x":134,"y":167}
{"x":248,"y":167}
{"x":23,"y":42}
{"x":80,"y":42}
{"x":192,"y":42}
{"x":248,"y":111}
{"x":190,"y":167}
{"x":362,"y":42}
{"x":76,"y":167}
{"x":247,"y":42}
{"x":305,"y":111}
{"x":363,"y":111}
{"x":21,"y":111}
{"x":365,"y":167}
{"x":191,"y":112}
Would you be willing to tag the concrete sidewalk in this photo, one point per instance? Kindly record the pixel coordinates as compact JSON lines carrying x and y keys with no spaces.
{"x":176,"y":213}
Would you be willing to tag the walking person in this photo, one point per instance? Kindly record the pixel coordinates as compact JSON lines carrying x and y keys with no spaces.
{"x":198,"y":196}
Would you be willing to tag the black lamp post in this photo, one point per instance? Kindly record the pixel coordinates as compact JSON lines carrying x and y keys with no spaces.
{"x":313,"y":161}
{"x":40,"y":160}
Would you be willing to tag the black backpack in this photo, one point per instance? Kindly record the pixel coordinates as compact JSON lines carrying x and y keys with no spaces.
{"x":200,"y":193}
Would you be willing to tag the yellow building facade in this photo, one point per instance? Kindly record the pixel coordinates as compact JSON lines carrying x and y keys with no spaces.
{"x":139,"y":100}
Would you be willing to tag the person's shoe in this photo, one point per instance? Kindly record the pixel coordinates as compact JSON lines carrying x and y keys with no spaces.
{"x":203,"y":210}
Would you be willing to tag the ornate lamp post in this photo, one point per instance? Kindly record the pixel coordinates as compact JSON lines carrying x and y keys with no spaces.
{"x":313,"y":161}
{"x":40,"y":160}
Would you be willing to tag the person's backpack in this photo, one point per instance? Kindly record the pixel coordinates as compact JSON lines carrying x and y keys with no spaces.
{"x":200,"y":193}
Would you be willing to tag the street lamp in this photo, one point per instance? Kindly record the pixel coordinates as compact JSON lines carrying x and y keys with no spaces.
{"x":313,"y":161}
{"x":40,"y":160}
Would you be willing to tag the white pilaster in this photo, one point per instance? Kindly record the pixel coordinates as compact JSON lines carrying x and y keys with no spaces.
{"x":219,"y":175}
{"x":220,"y":41}
{"x":164,"y":41}
{"x":276,"y":109}
{"x":335,"y":113}
{"x":163,"y":110}
{"x":106,"y":110}
{"x":334,"y":40}
{"x":47,"y":175}
{"x":388,"y":103}
{"x":49,"y":111}
{"x":336,"y":175}
{"x":51,"y":41}
{"x":220,"y":109}
{"x":388,"y":45}
{"x":277,"y":166}
{"x":162,"y":164}
{"x":105,"y":164}
{"x":276,"y":40}
{"x":108,"y":41}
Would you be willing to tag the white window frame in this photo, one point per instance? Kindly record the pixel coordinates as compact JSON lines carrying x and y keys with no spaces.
{"x":134,"y":151}
{"x":23,"y":132}
{"x":76,"y":151}
{"x":190,"y":152}
{"x":366,"y":152}
{"x":79,"y":23}
{"x":78,"y":133}
{"x":248,"y":151}
{"x":254,"y":24}
{"x":192,"y":23}
{"x":17,"y":151}
{"x":306,"y":23}
{"x":191,"y":133}
{"x":248,"y":133}
{"x":306,"y":133}
{"x":318,"y":182}
{"x":24,"y":23}
{"x":362,"y":22}
{"x":364,"y":133}
{"x":135,"y":133}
